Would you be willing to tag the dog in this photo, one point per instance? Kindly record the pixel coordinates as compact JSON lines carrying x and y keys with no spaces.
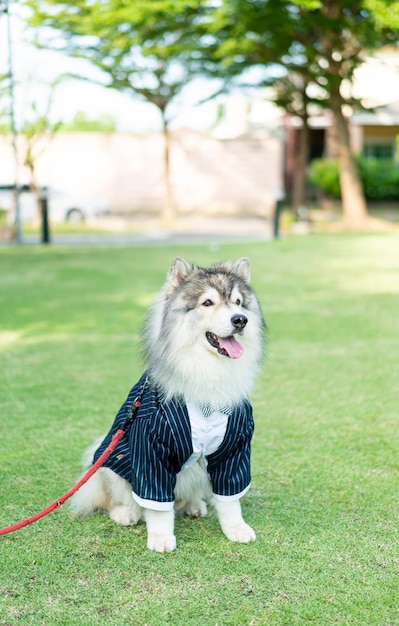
{"x":189,"y":445}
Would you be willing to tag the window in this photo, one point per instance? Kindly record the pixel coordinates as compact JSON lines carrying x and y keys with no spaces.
{"x":378,"y":151}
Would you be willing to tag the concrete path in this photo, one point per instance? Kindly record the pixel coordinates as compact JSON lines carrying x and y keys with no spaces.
{"x":119,"y":232}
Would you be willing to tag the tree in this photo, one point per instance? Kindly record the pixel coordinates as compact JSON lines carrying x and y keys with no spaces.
{"x":38,"y":130}
{"x":291,"y":95}
{"x":153,"y":47}
{"x":321,"y":41}
{"x":140,"y":48}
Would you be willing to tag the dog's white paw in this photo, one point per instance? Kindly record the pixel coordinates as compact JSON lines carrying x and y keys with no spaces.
{"x":196,"y":508}
{"x":232,"y":523}
{"x":124,"y":515}
{"x":161,"y":543}
{"x":242,"y":533}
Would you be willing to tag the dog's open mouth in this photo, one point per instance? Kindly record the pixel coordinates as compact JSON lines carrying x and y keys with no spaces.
{"x":228,"y":346}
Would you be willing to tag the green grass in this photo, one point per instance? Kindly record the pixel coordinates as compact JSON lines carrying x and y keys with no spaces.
{"x":64,"y":228}
{"x":324,"y":497}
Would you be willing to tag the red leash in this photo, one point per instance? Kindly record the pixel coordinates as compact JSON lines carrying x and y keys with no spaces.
{"x":131,"y":415}
{"x":56,"y":505}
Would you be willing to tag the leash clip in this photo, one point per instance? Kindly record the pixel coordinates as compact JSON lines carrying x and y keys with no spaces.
{"x":133,"y":408}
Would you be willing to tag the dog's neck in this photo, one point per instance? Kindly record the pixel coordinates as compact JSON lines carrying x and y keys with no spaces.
{"x":218,"y":389}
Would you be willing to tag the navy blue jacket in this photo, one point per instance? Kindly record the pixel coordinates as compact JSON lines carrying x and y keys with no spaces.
{"x":158,"y":443}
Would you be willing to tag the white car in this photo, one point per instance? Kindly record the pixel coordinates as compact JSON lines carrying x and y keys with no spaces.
{"x":62,"y":206}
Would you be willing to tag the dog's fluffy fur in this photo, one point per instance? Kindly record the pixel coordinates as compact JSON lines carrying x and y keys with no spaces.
{"x":192,"y":353}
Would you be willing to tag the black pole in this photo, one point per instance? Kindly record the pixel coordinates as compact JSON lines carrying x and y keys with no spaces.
{"x":276,"y":218}
{"x":44,"y":213}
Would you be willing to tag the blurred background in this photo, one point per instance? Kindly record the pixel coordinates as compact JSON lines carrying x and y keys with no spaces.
{"x":121,"y":112}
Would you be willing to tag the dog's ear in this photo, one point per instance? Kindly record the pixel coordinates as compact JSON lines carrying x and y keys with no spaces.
{"x":179,"y":270}
{"x":241,"y":268}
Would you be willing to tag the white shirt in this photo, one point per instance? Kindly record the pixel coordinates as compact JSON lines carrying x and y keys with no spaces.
{"x":207,"y":433}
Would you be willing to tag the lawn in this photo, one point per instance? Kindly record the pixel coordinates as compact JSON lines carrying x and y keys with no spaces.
{"x":325,"y":460}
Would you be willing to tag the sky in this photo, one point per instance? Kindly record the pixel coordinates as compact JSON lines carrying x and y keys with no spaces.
{"x":35,"y":69}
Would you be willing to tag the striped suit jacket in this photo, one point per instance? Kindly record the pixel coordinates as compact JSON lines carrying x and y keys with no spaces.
{"x":158,"y":443}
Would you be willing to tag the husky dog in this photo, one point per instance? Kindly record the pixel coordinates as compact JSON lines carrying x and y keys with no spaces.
{"x":190,"y":441}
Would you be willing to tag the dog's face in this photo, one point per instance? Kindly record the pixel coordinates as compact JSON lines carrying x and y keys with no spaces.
{"x":218,"y":304}
{"x":225,"y":316}
{"x":206,"y":326}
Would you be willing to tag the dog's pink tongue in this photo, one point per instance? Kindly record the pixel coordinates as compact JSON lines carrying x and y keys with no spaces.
{"x":232,"y":347}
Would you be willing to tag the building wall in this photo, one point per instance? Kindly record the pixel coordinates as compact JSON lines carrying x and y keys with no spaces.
{"x":208,"y":175}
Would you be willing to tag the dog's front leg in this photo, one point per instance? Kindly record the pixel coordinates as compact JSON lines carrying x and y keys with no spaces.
{"x":160,"y":529}
{"x":232,"y":522}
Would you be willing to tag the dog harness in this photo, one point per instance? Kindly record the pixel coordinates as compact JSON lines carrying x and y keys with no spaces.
{"x":167,"y":437}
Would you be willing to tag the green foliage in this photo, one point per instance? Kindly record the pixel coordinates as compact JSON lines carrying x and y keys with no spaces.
{"x":82,"y":124}
{"x":324,"y":174}
{"x":322,"y":41}
{"x":141,"y":48}
{"x":324,"y":495}
{"x":153,"y":47}
{"x":385,"y":13}
{"x":146,"y":49}
{"x":379,"y":177}
{"x":308,"y":49}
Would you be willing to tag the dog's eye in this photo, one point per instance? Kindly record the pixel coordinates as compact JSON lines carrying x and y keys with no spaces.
{"x":238,"y":302}
{"x":207,"y":303}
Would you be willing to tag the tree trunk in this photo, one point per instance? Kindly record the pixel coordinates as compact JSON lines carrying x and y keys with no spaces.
{"x":301,"y":163}
{"x":354,"y":206}
{"x":34,"y":187}
{"x":168,"y":213}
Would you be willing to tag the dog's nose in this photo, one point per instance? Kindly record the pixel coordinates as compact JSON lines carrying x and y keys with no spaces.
{"x":239,"y":321}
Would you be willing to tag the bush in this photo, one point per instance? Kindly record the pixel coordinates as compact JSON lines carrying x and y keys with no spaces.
{"x":324,"y":174}
{"x":379,"y":177}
